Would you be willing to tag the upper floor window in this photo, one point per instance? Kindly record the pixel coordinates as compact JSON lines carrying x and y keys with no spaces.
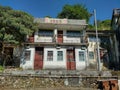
{"x":74,"y":33}
{"x":45,"y":33}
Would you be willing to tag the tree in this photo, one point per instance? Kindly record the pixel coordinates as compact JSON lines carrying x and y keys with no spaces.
{"x":90,"y":27}
{"x":101,"y":25}
{"x":77,"y":11}
{"x":48,"y":16}
{"x":104,"y":25}
{"x":14,"y":26}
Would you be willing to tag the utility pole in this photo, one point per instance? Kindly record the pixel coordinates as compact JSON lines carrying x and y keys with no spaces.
{"x":98,"y":51}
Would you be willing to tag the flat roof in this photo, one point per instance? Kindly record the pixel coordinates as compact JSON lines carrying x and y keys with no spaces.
{"x":61,"y":24}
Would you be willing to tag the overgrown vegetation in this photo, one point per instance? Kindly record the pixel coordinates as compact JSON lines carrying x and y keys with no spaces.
{"x":15,"y":25}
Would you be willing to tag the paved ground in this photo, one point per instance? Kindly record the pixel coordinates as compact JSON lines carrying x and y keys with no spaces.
{"x":70,"y":88}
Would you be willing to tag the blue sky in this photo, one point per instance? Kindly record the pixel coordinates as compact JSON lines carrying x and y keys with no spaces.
{"x":42,"y":8}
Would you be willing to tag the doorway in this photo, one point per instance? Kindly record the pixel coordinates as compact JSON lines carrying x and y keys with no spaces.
{"x":71,"y":64}
{"x":38,"y":62}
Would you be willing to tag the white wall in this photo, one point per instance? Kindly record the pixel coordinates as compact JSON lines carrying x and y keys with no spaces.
{"x":44,"y":39}
{"x":28,"y":64}
{"x":80,"y":65}
{"x":54,"y":64}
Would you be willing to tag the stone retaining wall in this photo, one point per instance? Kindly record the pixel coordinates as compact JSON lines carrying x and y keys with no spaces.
{"x":38,"y":82}
{"x":50,"y":79}
{"x":29,"y":82}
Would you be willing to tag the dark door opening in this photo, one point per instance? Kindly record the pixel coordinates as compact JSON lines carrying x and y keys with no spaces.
{"x":8,"y":56}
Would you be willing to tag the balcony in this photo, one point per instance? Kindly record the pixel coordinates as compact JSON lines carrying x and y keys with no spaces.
{"x":57,"y":39}
{"x":62,"y":41}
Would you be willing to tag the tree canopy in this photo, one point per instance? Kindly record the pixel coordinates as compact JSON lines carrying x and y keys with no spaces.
{"x":104,"y":25}
{"x":15,"y":25}
{"x":101,"y":25}
{"x":77,"y":11}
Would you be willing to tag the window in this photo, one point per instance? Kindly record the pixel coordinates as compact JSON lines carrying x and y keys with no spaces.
{"x":27,"y":55}
{"x":81,"y":56}
{"x":91,"y":55}
{"x":45,"y":33}
{"x":50,"y":56}
{"x":60,"y":55}
{"x":73,"y":33}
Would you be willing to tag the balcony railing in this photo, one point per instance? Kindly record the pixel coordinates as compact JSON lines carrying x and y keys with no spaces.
{"x":72,"y":41}
{"x":50,"y":40}
{"x":66,"y":40}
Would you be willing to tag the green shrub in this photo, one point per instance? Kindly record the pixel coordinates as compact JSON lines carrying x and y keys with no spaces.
{"x":1,"y":68}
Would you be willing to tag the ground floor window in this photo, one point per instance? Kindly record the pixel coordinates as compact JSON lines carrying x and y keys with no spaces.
{"x":50,"y":56}
{"x":27,"y":55}
{"x":91,"y":55}
{"x":81,"y":56}
{"x":60,"y":55}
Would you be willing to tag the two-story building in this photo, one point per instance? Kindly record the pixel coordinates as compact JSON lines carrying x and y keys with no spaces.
{"x":115,"y":24}
{"x":58,"y":44}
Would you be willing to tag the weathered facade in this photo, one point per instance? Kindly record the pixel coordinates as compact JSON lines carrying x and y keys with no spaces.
{"x":105,"y":41}
{"x":115,"y":24}
{"x":66,"y":44}
{"x":58,"y":44}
